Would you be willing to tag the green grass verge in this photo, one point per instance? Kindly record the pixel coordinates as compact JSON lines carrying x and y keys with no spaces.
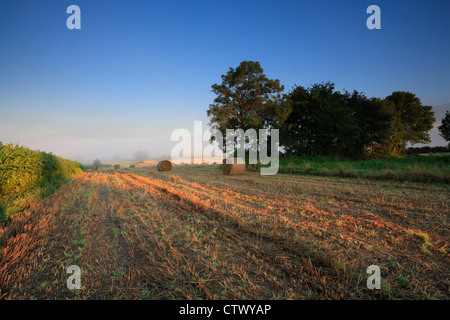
{"x":409,"y":168}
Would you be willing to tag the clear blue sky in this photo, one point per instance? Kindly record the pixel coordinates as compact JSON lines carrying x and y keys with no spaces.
{"x":137,"y":70}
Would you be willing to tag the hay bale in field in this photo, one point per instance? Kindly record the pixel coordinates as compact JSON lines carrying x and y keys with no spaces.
{"x":94,"y":168}
{"x":132,"y":166}
{"x":233,"y":169}
{"x":117,"y":166}
{"x":164,"y":165}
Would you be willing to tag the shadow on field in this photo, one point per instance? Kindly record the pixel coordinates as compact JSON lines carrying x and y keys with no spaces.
{"x":194,"y":234}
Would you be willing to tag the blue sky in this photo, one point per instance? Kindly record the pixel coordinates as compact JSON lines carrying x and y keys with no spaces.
{"x":137,"y":70}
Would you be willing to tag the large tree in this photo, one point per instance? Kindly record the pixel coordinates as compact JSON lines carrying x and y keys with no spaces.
{"x":321,"y":121}
{"x":97,"y":163}
{"x":373,"y":118}
{"x":411,"y":121}
{"x":246,"y":98}
{"x":444,"y":128}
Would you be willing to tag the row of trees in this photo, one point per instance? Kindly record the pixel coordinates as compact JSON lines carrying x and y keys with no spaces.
{"x":319,"y":120}
{"x":427,"y":150}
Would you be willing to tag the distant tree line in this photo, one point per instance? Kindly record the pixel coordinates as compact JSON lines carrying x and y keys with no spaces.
{"x":426,"y":149}
{"x":319,"y":120}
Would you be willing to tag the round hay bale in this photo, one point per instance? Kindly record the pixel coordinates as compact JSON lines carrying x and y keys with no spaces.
{"x":117,"y":166}
{"x":164,"y":165}
{"x":233,"y":169}
{"x":132,"y":166}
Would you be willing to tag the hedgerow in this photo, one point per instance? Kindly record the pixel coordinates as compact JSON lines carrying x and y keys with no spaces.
{"x":27,"y":175}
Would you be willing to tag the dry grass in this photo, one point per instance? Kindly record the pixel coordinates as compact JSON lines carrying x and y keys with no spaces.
{"x":194,"y":233}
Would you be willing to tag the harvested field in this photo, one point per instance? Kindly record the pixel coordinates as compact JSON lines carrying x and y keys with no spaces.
{"x":193,"y":233}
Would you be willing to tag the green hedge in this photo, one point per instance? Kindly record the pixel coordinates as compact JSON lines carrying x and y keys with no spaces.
{"x":27,"y":175}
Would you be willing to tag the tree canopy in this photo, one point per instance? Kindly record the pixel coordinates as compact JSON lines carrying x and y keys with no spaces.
{"x":444,"y":128}
{"x":327,"y":122}
{"x":320,"y":120}
{"x":411,"y":121}
{"x":246,"y":98}
{"x":97,"y":163}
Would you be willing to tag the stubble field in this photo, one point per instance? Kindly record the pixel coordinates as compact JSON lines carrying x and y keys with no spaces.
{"x":194,"y":233}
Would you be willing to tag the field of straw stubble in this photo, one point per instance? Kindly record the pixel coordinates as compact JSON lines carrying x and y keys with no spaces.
{"x":193,"y":233}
